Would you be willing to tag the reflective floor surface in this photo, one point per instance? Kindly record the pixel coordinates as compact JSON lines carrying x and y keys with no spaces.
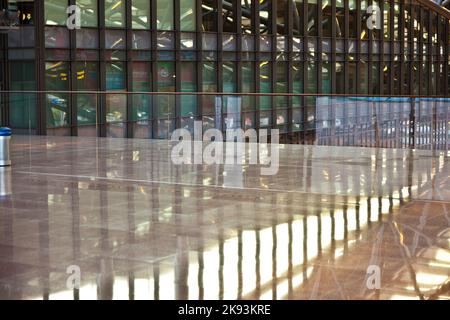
{"x":139,"y":227}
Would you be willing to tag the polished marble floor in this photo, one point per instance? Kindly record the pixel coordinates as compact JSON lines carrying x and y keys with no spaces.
{"x":140,"y":227}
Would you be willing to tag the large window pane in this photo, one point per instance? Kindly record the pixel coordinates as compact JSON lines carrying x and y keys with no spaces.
{"x":188,"y":84}
{"x":364,"y":29}
{"x":282,"y":17}
{"x":326,"y":18}
{"x":55,"y":12}
{"x":187,"y":15}
{"x":265,"y":16}
{"x":340,"y":77}
{"x":247,"y":24}
{"x":282,"y":84}
{"x":248,"y":85}
{"x":26,"y":9}
{"x":353,"y":18}
{"x":115,"y":13}
{"x":312,"y":77}
{"x":229,"y":76}
{"x":87,"y":80}
{"x":140,"y":12}
{"x":298,"y":18}
{"x":116,"y":115}
{"x":166,"y":83}
{"x":87,"y":76}
{"x":265,"y":83}
{"x":326,"y":77}
{"x":165,"y":13}
{"x":229,"y":16}
{"x":22,"y":107}
{"x":57,"y":79}
{"x":376,"y":33}
{"x":387,"y":20}
{"x":375,"y":78}
{"x":363,"y":76}
{"x":209,"y":15}
{"x":142,"y":111}
{"x":209,"y":75}
{"x":89,"y":12}
{"x":340,"y":19}
{"x":312,"y":17}
{"x":115,"y":76}
{"x":116,"y":104}
{"x":352,"y":70}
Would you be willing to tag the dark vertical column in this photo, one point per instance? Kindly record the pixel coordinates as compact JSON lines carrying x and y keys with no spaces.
{"x":221,"y":240}
{"x":430,"y":55}
{"x":73,"y":79}
{"x":401,"y":42}
{"x":76,"y":238}
{"x":44,"y":256}
{"x":220,"y":48}
{"x":273,"y":31}
{"x":370,"y":49}
{"x":40,"y":66}
{"x":129,"y":71}
{"x":346,"y":46}
{"x":420,"y":49}
{"x":305,"y":68}
{"x":333,"y":47}
{"x":102,"y":76}
{"x":240,"y":259}
{"x":106,"y":276}
{"x":154,"y":46}
{"x":199,"y":193}
{"x":274,"y":261}
{"x":257,"y":74}
{"x":177,"y":34}
{"x":199,"y":75}
{"x":290,"y":75}
{"x":411,"y":74}
{"x":182,"y":268}
{"x":131,"y":209}
{"x":5,"y":78}
{"x":392,"y":46}
{"x":447,"y":53}
{"x":238,"y":17}
{"x":381,"y":55}
{"x":438,"y":55}
{"x":384,"y":55}
{"x":319,"y":50}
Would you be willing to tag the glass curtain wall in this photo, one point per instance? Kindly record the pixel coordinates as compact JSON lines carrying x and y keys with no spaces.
{"x":219,"y":46}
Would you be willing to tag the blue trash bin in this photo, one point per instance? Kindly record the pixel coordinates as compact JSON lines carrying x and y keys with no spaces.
{"x":5,"y":138}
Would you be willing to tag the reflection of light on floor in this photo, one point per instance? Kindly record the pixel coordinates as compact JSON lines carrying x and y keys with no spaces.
{"x":374,"y":205}
{"x":442,"y":256}
{"x":285,"y":253}
{"x":230,"y":271}
{"x":120,"y":291}
{"x":402,"y":297}
{"x":193,"y":275}
{"x":87,"y":292}
{"x":430,"y":279}
{"x":167,"y":283}
{"x":283,"y":287}
{"x":248,"y":260}
{"x":210,"y":275}
{"x":343,"y":223}
{"x":144,"y":289}
{"x":62,"y":295}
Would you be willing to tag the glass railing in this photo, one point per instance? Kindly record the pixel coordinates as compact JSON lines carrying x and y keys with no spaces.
{"x":337,"y":120}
